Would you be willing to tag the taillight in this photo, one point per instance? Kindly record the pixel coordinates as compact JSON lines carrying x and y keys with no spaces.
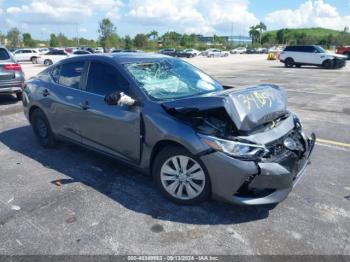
{"x":12,"y":67}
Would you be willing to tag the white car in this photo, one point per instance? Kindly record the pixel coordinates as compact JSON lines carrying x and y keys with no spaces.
{"x":52,"y":57}
{"x":213,"y":52}
{"x":239,"y":50}
{"x":193,"y":52}
{"x":27,"y":54}
{"x":311,"y":55}
{"x":98,"y":50}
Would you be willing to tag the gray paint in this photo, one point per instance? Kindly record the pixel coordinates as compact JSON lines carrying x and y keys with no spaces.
{"x":131,"y":133}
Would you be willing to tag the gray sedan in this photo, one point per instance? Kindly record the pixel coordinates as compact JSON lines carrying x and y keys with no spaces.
{"x":197,"y":138}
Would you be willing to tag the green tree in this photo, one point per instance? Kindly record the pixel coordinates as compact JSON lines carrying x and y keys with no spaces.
{"x":27,"y":40}
{"x":254,"y":33}
{"x":108,"y":34}
{"x":141,"y":40}
{"x":127,"y":42}
{"x":2,"y":38}
{"x":153,"y":35}
{"x":262,"y":28}
{"x":13,"y":37}
{"x":53,"y":42}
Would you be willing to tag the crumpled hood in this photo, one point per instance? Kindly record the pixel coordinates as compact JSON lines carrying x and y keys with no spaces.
{"x":248,"y":108}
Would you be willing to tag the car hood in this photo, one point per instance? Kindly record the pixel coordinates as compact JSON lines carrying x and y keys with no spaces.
{"x":248,"y":108}
{"x":338,"y":55}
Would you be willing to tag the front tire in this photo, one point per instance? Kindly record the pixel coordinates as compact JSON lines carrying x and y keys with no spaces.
{"x":180,"y":176}
{"x":328,"y":64}
{"x":42,"y":129}
{"x":48,"y":62}
{"x":289,"y":62}
{"x":19,"y":96}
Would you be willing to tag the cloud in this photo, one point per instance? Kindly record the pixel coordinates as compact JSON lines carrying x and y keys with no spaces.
{"x":62,"y":11}
{"x":199,"y":16}
{"x":315,"y":13}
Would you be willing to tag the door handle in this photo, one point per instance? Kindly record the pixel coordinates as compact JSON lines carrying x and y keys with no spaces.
{"x":84,"y":105}
{"x":45,"y":92}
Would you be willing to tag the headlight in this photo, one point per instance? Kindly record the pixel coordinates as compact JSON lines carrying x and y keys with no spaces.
{"x":234,"y":148}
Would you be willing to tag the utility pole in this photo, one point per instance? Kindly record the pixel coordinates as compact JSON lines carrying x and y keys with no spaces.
{"x":77,"y":34}
{"x":231,"y":44}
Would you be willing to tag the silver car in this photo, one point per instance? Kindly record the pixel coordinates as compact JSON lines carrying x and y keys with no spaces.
{"x":197,"y":138}
{"x":11,"y":74}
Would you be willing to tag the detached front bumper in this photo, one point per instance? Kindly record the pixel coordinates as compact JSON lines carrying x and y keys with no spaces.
{"x":256,"y":183}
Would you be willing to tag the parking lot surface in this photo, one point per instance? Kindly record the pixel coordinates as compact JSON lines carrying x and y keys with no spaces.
{"x":72,"y":201}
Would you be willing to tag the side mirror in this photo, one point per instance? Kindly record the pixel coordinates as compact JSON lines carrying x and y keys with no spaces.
{"x":119,"y":98}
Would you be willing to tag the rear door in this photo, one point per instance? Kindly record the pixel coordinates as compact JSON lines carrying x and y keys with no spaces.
{"x":62,"y":98}
{"x":113,"y":129}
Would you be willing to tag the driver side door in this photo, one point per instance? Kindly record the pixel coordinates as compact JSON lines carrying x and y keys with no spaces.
{"x":113,"y":129}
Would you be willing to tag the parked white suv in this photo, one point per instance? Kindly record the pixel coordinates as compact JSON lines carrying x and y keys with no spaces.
{"x":28,"y":54}
{"x":311,"y":55}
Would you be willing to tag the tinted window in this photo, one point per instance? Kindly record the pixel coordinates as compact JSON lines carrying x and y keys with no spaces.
{"x":309,"y":49}
{"x":104,"y":79}
{"x":26,"y":51}
{"x":70,"y":74}
{"x":3,"y":54}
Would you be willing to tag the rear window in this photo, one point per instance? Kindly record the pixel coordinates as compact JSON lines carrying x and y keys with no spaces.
{"x":70,"y":74}
{"x":4,"y":55}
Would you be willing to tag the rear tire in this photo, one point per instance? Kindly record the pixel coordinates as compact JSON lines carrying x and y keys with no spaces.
{"x":180,"y":176}
{"x":289,"y":62}
{"x":19,"y":96}
{"x":42,"y":129}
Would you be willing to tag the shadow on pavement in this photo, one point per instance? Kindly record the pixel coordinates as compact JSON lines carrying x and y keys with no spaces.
{"x":123,"y":184}
{"x":8,"y":99}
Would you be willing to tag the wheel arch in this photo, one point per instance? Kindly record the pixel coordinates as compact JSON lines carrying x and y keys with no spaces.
{"x":159,"y":146}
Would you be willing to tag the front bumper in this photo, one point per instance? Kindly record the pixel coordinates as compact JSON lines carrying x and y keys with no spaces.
{"x":256,"y":183}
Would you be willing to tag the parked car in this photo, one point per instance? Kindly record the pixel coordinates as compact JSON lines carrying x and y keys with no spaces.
{"x":169,"y":119}
{"x":184,"y":53}
{"x":311,"y":55}
{"x":23,"y":55}
{"x":168,"y":51}
{"x":193,"y":52}
{"x":251,"y":50}
{"x":213,"y":52}
{"x":99,"y":50}
{"x":239,"y":50}
{"x":344,"y":50}
{"x":52,"y":57}
{"x":11,"y":74}
{"x":81,"y":52}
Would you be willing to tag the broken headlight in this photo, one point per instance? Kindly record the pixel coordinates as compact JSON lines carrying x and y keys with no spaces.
{"x":235,"y":148}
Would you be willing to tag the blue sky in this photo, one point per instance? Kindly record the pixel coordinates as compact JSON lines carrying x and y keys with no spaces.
{"x":42,"y":17}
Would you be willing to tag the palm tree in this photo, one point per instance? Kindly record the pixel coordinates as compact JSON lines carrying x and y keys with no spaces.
{"x":262,"y":27}
{"x":254,"y":33}
{"x":153,"y":34}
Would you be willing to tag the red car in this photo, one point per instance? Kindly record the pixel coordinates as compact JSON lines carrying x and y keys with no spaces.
{"x":344,"y":50}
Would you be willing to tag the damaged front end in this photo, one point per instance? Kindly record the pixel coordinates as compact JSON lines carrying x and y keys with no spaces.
{"x":257,"y":149}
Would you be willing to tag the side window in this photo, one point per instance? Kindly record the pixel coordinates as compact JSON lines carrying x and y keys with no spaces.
{"x":310,"y":49}
{"x":55,"y":73}
{"x":70,"y":74}
{"x":104,"y":79}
